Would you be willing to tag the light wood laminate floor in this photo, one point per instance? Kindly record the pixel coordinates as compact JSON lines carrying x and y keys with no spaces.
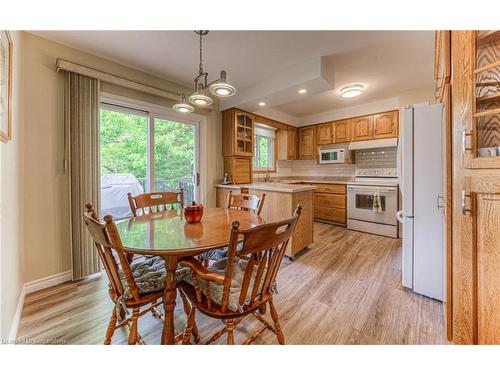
{"x":345,"y":290}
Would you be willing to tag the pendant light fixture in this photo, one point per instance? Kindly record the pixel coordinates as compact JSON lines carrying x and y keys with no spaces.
{"x":200,"y":96}
{"x":183,"y":106}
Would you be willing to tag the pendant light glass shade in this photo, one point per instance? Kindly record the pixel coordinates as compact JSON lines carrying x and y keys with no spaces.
{"x":182,"y":106}
{"x":221,"y":87}
{"x":199,"y":98}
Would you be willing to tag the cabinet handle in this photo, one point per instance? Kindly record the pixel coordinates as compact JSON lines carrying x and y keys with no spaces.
{"x":463,"y":206}
{"x":465,"y":134}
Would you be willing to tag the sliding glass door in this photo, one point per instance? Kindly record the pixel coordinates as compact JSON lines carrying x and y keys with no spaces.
{"x":175,"y":161}
{"x":141,"y":152}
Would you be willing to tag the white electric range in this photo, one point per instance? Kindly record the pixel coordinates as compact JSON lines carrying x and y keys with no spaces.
{"x":372,"y":201}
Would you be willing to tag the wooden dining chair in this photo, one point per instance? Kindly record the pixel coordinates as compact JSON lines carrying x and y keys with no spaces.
{"x":241,"y":284}
{"x":155,"y":202}
{"x":246,"y":202}
{"x":137,"y":286}
{"x":242,"y":202}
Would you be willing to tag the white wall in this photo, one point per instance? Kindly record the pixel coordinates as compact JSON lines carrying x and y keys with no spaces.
{"x":11,"y":200}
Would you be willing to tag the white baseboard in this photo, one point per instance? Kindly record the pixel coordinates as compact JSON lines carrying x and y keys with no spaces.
{"x":47,"y":282}
{"x":33,"y":286}
{"x":17,"y":316}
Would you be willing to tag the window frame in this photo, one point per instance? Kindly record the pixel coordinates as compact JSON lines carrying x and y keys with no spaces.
{"x":272,"y":155}
{"x":124,"y":104}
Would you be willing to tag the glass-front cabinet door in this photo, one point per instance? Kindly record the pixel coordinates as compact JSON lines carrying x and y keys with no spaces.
{"x":481,"y":143}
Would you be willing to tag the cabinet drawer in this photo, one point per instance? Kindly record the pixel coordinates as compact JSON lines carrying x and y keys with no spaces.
{"x":331,"y":188}
{"x":330,"y":214}
{"x":329,"y":200}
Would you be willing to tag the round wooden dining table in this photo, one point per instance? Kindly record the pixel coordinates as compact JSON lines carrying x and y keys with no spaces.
{"x":168,"y":235}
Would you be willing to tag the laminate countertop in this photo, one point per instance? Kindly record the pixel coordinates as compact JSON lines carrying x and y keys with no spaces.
{"x":271,"y":186}
{"x":296,"y":184}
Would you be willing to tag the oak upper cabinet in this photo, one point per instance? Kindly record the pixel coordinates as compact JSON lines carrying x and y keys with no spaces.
{"x":286,"y":141}
{"x":475,"y":256}
{"x":385,"y":125}
{"x":362,"y":128}
{"x":237,"y":133}
{"x":307,"y":143}
{"x":324,"y":133}
{"x":342,"y":131}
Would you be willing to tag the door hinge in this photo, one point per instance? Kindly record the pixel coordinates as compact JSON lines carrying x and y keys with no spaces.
{"x":197,"y":179}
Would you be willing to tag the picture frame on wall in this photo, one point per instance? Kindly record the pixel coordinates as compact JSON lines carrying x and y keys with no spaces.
{"x":5,"y":86}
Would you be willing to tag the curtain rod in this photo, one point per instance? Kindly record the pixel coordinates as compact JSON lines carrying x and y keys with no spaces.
{"x":69,"y":66}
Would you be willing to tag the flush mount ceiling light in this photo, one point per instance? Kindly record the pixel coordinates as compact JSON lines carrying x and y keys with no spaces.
{"x":351,"y":91}
{"x":200,"y":96}
{"x":183,"y":106}
{"x":262,"y":104}
{"x":302,"y":91}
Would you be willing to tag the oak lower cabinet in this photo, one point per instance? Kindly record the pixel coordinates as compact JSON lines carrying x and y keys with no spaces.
{"x":330,"y":203}
{"x":362,"y":128}
{"x":286,"y":142}
{"x":342,"y":131}
{"x":238,"y":169}
{"x":280,"y":206}
{"x":307,"y":143}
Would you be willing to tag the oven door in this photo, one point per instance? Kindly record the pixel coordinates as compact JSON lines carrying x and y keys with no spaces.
{"x":363,"y":204}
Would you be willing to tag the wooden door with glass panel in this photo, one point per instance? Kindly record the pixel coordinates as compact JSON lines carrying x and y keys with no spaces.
{"x":475,"y":85}
{"x":244,"y":125}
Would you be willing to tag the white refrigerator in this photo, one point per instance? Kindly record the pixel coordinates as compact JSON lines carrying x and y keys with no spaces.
{"x":421,"y":181}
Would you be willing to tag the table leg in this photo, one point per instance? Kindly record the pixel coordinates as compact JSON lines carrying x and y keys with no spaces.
{"x":169,"y":295}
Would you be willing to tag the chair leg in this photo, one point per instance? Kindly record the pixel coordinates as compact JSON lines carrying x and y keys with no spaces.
{"x":111,"y":327}
{"x":277,"y":327}
{"x":187,"y":310}
{"x":230,"y":328}
{"x":132,"y":337}
{"x":189,"y":326}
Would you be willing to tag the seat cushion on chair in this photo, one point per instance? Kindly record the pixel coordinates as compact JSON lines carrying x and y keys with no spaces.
{"x":218,"y":254}
{"x":219,"y":267}
{"x":149,"y":275}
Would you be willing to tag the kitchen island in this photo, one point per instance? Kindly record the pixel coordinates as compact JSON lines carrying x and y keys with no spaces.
{"x":281,"y":200}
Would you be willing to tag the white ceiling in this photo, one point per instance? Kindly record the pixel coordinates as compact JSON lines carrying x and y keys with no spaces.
{"x":386,"y":62}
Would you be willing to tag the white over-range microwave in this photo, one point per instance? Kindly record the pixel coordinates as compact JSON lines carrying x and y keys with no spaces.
{"x":332,"y":155}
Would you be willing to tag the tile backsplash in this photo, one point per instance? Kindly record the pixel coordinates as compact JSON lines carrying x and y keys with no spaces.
{"x":384,"y":157}
{"x":373,"y":158}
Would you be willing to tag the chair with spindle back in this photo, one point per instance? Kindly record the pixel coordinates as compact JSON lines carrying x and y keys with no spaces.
{"x":241,"y":284}
{"x":137,"y":286}
{"x":242,"y":202}
{"x":246,"y":202}
{"x":155,"y":202}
